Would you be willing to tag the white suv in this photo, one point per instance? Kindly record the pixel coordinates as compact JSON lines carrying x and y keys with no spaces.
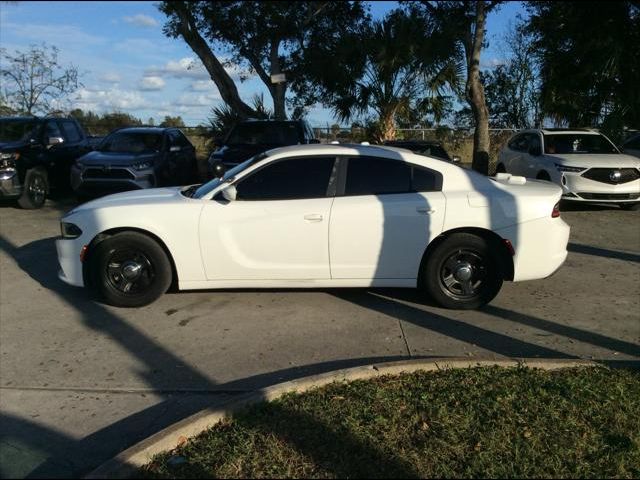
{"x":586,"y":164}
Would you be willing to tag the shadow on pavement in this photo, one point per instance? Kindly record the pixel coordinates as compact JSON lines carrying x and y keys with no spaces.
{"x":603,"y":252}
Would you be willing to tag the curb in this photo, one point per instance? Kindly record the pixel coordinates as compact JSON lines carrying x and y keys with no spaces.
{"x":125,"y":464}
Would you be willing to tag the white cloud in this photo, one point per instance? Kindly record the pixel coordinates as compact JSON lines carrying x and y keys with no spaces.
{"x":151,"y":83}
{"x":191,"y":100}
{"x":53,"y":34}
{"x":109,"y":77}
{"x":202,"y":85}
{"x":192,"y":68}
{"x":141,"y":20}
{"x":492,"y":63}
{"x":109,"y":100}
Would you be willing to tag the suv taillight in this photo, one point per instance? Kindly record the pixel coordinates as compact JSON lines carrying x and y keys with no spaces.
{"x":555,"y":213}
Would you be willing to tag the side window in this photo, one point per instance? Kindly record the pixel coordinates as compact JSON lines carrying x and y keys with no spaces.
{"x":294,"y":178}
{"x":51,"y":129}
{"x":423,"y":180}
{"x":533,"y":140}
{"x":519,"y":143}
{"x":71,"y":132}
{"x":633,"y":144}
{"x":181,"y":139}
{"x":374,"y":176}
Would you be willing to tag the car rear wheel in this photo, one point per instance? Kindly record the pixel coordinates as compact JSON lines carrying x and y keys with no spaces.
{"x":463,"y":272}
{"x":35,"y":190}
{"x":129,"y":269}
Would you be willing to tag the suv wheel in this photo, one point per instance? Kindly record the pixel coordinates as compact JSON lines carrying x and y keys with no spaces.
{"x":35,"y":190}
{"x":463,"y":272}
{"x":129,"y":270}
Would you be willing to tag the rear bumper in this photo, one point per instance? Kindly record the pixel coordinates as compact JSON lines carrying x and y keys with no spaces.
{"x":540,"y":247}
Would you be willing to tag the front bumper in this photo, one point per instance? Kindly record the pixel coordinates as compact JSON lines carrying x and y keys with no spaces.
{"x":10,"y":185}
{"x":71,"y":271}
{"x":93,"y":179}
{"x":577,"y":188}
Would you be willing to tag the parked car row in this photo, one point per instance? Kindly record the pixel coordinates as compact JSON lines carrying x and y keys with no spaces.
{"x":41,"y":154}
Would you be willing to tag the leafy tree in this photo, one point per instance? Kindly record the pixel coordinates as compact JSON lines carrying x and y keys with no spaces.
{"x":466,"y":22}
{"x":589,"y":61}
{"x":170,"y":121}
{"x":392,"y":67}
{"x":266,"y":37}
{"x":34,"y":80}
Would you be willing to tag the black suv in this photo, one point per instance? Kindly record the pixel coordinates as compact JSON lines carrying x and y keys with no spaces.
{"x":424,"y":147}
{"x":251,"y":137}
{"x":36,"y":154}
{"x":133,"y":158}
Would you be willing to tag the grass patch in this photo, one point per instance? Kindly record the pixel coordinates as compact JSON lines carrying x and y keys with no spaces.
{"x":480,"y":422}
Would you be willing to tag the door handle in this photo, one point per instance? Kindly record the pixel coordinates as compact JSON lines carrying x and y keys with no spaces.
{"x":313,"y":217}
{"x":425,"y":210}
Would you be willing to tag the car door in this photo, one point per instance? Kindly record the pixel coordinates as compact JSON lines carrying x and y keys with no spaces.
{"x":383,"y":218}
{"x":278,"y":226}
{"x":181,"y":158}
{"x":59,"y":157}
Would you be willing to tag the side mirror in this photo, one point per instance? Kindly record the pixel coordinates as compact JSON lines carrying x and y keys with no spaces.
{"x":218,"y":169}
{"x":535,"y":150}
{"x":175,"y":148}
{"x":55,"y":141}
{"x":230,"y":193}
{"x":455,"y":159}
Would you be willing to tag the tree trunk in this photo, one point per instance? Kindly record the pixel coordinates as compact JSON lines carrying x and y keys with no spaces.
{"x":278,"y":90}
{"x":218,"y":74}
{"x":387,"y":127}
{"x":475,"y":91}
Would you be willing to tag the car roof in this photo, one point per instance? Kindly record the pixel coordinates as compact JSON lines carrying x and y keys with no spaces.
{"x":347,"y":149}
{"x":20,"y":119}
{"x":547,"y":131}
{"x":413,"y":142}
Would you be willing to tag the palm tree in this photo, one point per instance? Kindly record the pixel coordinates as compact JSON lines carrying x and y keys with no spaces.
{"x":405,"y":67}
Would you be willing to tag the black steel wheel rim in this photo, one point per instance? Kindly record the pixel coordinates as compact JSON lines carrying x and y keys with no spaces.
{"x":129,"y":271}
{"x":37,"y":189}
{"x":463,"y":274}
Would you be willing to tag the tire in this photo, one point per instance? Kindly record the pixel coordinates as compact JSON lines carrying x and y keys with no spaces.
{"x":472,"y":255}
{"x":630,"y":206}
{"x":129,"y":269}
{"x":36,"y":186}
{"x":500,"y":168}
{"x":543,"y":176}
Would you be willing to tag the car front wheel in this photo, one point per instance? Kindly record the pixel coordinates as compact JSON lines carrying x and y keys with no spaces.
{"x":462,"y":272}
{"x":35,"y":190}
{"x":129,"y":269}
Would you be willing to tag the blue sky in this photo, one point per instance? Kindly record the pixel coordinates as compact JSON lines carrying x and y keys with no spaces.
{"x":131,"y":66}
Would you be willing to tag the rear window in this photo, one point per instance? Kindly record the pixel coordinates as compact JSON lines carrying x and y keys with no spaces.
{"x":378,"y":176}
{"x":15,"y":130}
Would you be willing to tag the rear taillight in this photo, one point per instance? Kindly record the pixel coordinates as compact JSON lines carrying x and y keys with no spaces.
{"x":556,"y":211}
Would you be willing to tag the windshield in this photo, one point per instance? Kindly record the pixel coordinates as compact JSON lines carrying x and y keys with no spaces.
{"x":211,"y":185}
{"x":16,"y":130}
{"x":270,"y":133}
{"x":132,"y":142}
{"x":569,"y":143}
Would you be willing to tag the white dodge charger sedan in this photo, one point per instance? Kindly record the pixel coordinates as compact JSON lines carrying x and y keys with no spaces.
{"x":587,"y":166}
{"x":320,"y":216}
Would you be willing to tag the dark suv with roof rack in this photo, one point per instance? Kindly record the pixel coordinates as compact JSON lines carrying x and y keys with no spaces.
{"x":36,"y":155}
{"x":133,"y":158}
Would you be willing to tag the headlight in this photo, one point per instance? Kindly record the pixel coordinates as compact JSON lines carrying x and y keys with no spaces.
{"x":70,"y":230}
{"x":564,"y":168}
{"x":8,"y":160}
{"x":143,"y":165}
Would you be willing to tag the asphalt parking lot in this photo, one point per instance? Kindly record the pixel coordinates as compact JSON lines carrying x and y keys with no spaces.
{"x":80,"y":381}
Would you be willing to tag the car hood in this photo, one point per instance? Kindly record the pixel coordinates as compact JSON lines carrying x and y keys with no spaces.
{"x":238,"y":153}
{"x":149,"y":196}
{"x":601,"y":160}
{"x":115,"y":159}
{"x":7,"y":147}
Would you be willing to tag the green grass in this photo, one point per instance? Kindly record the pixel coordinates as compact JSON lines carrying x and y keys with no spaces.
{"x":481,"y":422}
